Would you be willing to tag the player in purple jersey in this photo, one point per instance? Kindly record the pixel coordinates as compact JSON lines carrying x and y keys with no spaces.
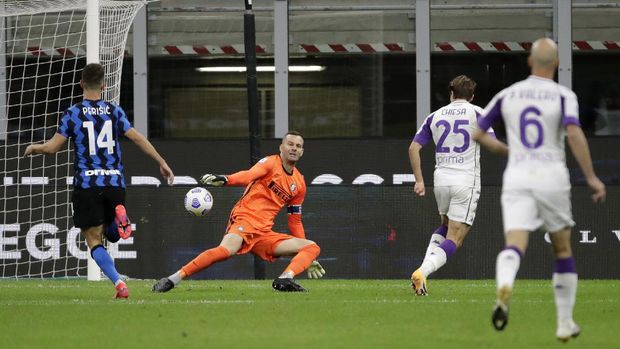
{"x":539,"y":114}
{"x":94,"y":127}
{"x":456,"y":176}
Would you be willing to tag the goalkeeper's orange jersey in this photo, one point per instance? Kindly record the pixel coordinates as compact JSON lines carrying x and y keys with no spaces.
{"x":269,"y":188}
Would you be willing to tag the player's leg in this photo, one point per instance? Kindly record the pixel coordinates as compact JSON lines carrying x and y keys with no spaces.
{"x":506,"y":268}
{"x":520,"y":213}
{"x":304,"y":251}
{"x":457,"y":231}
{"x":439,"y":256}
{"x":438,"y":236}
{"x":556,"y":213}
{"x":121,"y":220}
{"x":117,"y":223}
{"x":564,"y":284}
{"x":443,"y":197}
{"x":230,"y":244}
{"x":89,"y":216}
{"x":461,"y":210}
{"x":100,"y":255}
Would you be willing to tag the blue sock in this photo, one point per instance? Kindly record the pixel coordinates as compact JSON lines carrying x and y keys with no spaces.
{"x":105,"y":262}
{"x":111,"y":233}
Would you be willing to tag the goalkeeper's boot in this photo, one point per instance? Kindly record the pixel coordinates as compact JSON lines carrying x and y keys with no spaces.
{"x":122,"y":222}
{"x":287,"y":285}
{"x":163,"y":285}
{"x":418,"y":283}
{"x":567,"y":329}
{"x":121,"y":290}
{"x":500,"y":311}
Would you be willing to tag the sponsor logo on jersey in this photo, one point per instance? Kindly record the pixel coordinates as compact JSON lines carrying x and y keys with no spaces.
{"x":101,"y":172}
{"x":279,"y":191}
{"x":450,"y":159}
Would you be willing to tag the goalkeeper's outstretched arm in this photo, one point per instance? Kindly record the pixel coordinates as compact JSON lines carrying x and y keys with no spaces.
{"x":213,"y":180}
{"x":239,"y":178}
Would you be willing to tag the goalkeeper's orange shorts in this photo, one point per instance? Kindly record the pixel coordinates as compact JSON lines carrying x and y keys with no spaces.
{"x":260,"y":243}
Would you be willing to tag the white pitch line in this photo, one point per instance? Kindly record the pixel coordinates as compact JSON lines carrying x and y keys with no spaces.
{"x":412,"y":300}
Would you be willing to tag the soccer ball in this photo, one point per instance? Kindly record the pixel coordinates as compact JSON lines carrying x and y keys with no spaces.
{"x":198,"y":201}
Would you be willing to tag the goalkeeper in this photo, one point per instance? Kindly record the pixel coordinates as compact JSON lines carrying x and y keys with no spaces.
{"x":272,"y":183}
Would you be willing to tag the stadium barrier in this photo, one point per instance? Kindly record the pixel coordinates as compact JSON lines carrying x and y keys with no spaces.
{"x":346,"y":158}
{"x":365,"y":231}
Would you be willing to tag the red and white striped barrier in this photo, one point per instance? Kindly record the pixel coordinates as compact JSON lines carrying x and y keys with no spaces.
{"x":177,"y":50}
{"x":448,"y":46}
{"x":596,"y":45}
{"x":513,"y":46}
{"x":58,"y":51}
{"x":351,"y":48}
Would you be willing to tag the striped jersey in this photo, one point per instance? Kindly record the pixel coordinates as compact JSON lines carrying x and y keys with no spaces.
{"x":536,"y":112}
{"x":457,"y":155}
{"x":94,"y":128}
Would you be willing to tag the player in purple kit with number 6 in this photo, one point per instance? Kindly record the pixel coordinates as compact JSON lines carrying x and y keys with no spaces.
{"x":539,"y":114}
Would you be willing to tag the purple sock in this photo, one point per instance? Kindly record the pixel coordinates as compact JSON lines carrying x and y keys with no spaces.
{"x":449,"y":247}
{"x":442,"y":230}
{"x":516,"y":249}
{"x":565,"y":265}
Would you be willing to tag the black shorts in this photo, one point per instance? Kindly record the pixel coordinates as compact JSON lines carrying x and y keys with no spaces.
{"x":95,"y":206}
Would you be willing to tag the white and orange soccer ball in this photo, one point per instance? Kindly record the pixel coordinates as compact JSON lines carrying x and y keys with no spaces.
{"x":198,"y":201}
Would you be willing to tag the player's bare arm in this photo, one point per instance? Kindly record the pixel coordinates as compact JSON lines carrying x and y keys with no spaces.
{"x":149,"y":150}
{"x":50,"y":147}
{"x":414,"y":159}
{"x":490,"y":143}
{"x":579,"y":147}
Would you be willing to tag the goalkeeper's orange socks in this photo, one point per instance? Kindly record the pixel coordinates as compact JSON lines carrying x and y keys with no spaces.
{"x":201,"y":262}
{"x":302,"y":260}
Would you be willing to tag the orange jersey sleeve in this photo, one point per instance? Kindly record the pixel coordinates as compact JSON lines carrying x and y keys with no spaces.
{"x":257,"y":171}
{"x":295,"y":227}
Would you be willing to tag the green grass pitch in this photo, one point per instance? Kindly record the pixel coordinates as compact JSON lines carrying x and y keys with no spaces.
{"x":334,"y":314}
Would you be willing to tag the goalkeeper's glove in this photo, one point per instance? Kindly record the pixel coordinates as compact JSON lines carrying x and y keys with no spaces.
{"x":315,"y":271}
{"x":213,"y":180}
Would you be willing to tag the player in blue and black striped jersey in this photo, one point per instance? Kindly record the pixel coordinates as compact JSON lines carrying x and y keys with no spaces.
{"x":94,"y":127}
